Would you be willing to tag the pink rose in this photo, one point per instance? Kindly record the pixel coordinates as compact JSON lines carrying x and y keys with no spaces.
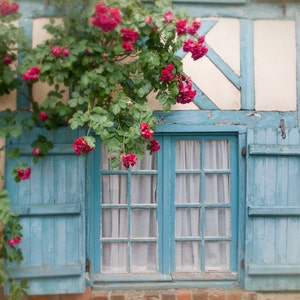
{"x":148,"y":20}
{"x":168,"y":16}
{"x":31,"y":74}
{"x":128,"y":160}
{"x":55,"y":50}
{"x":14,"y":241}
{"x":36,"y":151}
{"x":186,"y":94}
{"x":193,"y":28}
{"x":43,"y":116}
{"x":181,"y":26}
{"x":24,"y":174}
{"x":80,"y":146}
{"x":64,"y":51}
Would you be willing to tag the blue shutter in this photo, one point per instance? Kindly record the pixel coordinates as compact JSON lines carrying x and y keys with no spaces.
{"x":272,"y":258}
{"x":51,"y":208}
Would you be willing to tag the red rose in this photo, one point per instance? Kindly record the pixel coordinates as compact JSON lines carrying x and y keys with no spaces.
{"x":24,"y":174}
{"x":43,"y":116}
{"x":154,"y":146}
{"x":128,"y":160}
{"x":80,"y":146}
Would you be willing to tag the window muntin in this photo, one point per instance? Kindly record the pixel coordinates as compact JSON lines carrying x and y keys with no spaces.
{"x":198,"y":204}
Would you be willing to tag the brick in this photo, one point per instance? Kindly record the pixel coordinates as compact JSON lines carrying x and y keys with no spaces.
{"x":100,"y":296}
{"x":151,"y":295}
{"x":251,"y":296}
{"x":74,"y":297}
{"x":44,"y":297}
{"x":117,"y":296}
{"x":170,"y":295}
{"x":214,"y":295}
{"x":200,"y":295}
{"x":184,"y":295}
{"x":234,"y":295}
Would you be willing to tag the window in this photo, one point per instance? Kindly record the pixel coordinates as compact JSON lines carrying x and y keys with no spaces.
{"x":173,"y":215}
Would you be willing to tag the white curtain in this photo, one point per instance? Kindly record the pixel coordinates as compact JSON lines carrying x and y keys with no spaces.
{"x":189,"y":222}
{"x":132,"y":254}
{"x":132,"y":227}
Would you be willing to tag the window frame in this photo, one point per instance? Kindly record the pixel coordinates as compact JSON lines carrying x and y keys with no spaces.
{"x":165,"y":221}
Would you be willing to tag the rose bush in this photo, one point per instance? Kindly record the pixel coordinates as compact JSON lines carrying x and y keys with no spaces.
{"x":102,"y":64}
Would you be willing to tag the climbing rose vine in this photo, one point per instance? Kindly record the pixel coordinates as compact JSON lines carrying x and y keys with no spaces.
{"x":103,"y":66}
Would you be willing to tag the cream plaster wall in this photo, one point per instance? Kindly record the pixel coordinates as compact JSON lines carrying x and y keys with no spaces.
{"x":275,"y":65}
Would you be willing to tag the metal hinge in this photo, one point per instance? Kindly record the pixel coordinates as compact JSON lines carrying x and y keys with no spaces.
{"x":244,"y":151}
{"x":87,"y":269}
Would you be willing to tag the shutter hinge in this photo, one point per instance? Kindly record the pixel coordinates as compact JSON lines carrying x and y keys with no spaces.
{"x":87,"y":269}
{"x":244,"y":151}
{"x":242,"y":264}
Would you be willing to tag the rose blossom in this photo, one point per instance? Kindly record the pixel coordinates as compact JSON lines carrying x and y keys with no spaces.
{"x":197,"y":49}
{"x":181,"y":26}
{"x":7,"y":59}
{"x":144,"y":126}
{"x":31,"y":74}
{"x":14,"y":241}
{"x":7,"y":8}
{"x":193,"y":28}
{"x":129,"y":35}
{"x":148,"y":19}
{"x":168,"y":16}
{"x":166,"y":73}
{"x":127,"y":46}
{"x":36,"y":151}
{"x":146,"y":131}
{"x":55,"y":50}
{"x":65,"y":51}
{"x":154,"y":146}
{"x":43,"y":116}
{"x":24,"y":174}
{"x":186,"y":94}
{"x":106,"y":18}
{"x":128,"y":159}
{"x":80,"y":146}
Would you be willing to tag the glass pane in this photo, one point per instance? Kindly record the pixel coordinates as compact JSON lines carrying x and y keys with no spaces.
{"x":143,"y":189}
{"x":114,"y":189}
{"x":217,"y":256}
{"x":217,"y":222}
{"x":217,"y":154}
{"x":188,"y":154}
{"x":187,"y":222}
{"x":188,"y":188}
{"x":143,"y":223}
{"x":114,"y":223}
{"x":147,"y":163}
{"x":143,"y":257}
{"x":105,"y":160}
{"x":114,"y":257}
{"x":187,"y":256}
{"x":217,"y":188}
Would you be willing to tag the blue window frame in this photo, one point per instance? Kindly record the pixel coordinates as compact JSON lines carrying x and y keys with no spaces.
{"x":173,"y":216}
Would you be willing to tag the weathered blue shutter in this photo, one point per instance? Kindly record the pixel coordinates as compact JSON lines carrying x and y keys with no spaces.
{"x":273,"y":210}
{"x":51,"y":208}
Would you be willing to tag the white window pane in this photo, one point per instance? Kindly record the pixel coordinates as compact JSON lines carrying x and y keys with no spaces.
{"x":187,"y":256}
{"x":187,"y":222}
{"x":114,"y":189}
{"x":143,"y":223}
{"x":143,"y":257}
{"x":188,"y":188}
{"x":143,"y":189}
{"x":217,"y":154}
{"x":114,"y":223}
{"x":217,"y":256}
{"x":114,"y":257}
{"x":188,"y":154}
{"x":147,"y":163}
{"x":217,"y":222}
{"x":217,"y":188}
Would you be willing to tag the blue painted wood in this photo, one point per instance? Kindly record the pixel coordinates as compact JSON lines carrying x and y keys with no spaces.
{"x":289,"y":150}
{"x":52,"y":205}
{"x":273,"y":211}
{"x":264,"y":211}
{"x":247,"y":64}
